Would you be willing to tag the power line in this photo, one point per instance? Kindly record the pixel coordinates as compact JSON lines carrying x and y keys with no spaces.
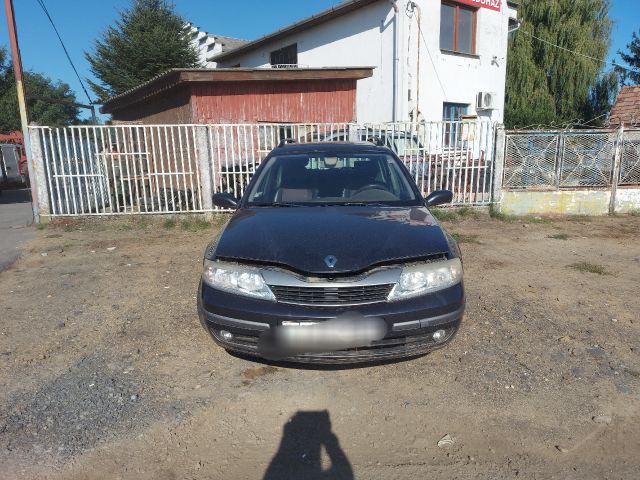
{"x":580,"y":54}
{"x":46,"y":12}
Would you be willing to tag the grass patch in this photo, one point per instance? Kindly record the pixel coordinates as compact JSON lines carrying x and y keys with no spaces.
{"x":587,"y":267}
{"x":506,"y":218}
{"x":635,"y":213}
{"x":445,"y":214}
{"x":579,"y":218}
{"x":559,"y":236}
{"x":169,"y":224}
{"x":468,"y":212}
{"x":462,"y":238}
{"x":194,"y":225}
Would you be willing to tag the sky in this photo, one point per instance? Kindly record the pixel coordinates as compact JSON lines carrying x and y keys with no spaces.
{"x":80,"y":22}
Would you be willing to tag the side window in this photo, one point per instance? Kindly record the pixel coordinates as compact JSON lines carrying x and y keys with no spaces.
{"x":457,"y":28}
{"x":285,"y":56}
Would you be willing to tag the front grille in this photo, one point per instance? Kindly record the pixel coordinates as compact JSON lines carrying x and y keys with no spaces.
{"x":331,"y":296}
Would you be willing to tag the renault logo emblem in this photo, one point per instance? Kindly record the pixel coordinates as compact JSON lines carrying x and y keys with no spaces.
{"x":331,"y":261}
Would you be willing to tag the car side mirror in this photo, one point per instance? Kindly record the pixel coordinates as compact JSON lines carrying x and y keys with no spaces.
{"x":225,"y":200}
{"x":439,"y":197}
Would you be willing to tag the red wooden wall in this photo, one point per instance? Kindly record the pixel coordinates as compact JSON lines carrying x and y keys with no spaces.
{"x":315,"y":101}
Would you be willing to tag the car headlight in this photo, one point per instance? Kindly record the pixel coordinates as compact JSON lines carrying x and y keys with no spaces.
{"x":236,"y":279}
{"x":425,"y":278}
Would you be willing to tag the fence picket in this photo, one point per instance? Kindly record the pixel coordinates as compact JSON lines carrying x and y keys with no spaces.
{"x":136,"y":169}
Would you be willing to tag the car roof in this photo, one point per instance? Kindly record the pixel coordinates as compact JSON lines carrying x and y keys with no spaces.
{"x":330,"y":147}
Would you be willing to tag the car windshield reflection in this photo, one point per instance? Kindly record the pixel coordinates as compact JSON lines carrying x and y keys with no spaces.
{"x":302,"y":180}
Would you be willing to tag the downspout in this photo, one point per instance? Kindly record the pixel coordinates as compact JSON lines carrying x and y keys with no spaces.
{"x":419,"y":18}
{"x":396,"y":60}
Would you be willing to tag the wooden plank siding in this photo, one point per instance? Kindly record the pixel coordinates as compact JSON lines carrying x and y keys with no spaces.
{"x":171,"y":107}
{"x":275,"y":102}
{"x":242,"y":96}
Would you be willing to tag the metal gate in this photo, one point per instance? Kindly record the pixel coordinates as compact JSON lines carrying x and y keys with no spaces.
{"x":135,"y":169}
{"x":556,"y":160}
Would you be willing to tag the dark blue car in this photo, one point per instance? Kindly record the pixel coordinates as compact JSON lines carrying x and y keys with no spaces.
{"x":332,"y":256}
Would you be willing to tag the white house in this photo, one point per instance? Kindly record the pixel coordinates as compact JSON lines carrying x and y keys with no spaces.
{"x":210,"y":45}
{"x":433,"y":59}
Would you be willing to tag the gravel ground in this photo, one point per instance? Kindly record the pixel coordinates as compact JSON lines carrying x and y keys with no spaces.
{"x":106,"y":372}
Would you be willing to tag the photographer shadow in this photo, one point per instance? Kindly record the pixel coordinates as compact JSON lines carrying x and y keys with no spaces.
{"x":300,"y":452}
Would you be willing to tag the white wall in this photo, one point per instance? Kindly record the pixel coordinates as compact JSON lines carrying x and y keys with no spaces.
{"x":366,"y":38}
{"x":447,"y":77}
{"x":362,"y":38}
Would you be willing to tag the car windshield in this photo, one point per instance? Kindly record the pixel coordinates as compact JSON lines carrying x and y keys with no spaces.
{"x":406,"y":145}
{"x":334,"y":179}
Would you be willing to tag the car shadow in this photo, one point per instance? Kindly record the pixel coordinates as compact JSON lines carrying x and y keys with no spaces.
{"x":322,"y":367}
{"x":14,"y":195}
{"x":299,"y":455}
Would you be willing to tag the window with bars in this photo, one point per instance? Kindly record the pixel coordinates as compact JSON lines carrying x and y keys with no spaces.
{"x":285,"y":56}
{"x":457,"y":28}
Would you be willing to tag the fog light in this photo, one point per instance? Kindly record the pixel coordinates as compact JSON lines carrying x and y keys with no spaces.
{"x":439,"y":336}
{"x":228,"y":336}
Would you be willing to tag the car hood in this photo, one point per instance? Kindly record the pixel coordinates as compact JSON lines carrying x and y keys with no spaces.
{"x":301,"y":238}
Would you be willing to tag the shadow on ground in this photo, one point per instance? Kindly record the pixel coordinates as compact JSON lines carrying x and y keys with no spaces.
{"x":299,"y":455}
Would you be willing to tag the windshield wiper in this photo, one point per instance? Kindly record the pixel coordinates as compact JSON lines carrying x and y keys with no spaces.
{"x":278,"y":205}
{"x":352,"y":204}
{"x":359,"y":204}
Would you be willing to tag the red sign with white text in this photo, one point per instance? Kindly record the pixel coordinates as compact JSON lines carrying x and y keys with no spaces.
{"x":490,"y":4}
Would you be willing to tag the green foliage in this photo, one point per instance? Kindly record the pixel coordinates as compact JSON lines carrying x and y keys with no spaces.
{"x":547,"y":85}
{"x":36,"y":85}
{"x":632,"y":58}
{"x":147,"y":40}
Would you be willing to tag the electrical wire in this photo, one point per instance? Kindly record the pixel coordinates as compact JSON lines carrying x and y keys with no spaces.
{"x":46,"y":12}
{"x":605,"y":62}
{"x":435,"y":69}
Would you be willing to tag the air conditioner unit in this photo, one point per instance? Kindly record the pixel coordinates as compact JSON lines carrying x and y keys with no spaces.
{"x":486,"y":101}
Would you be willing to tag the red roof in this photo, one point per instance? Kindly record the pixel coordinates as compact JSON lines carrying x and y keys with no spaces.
{"x":627,"y":107}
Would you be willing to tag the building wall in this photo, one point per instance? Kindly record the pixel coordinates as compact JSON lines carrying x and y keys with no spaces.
{"x":275,"y":102}
{"x":172,"y":107}
{"x":362,"y":38}
{"x":447,"y":77}
{"x":366,"y":38}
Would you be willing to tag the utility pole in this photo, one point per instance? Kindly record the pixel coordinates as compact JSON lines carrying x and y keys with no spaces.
{"x":22,"y":103}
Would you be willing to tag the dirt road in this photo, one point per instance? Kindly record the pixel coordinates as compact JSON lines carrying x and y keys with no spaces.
{"x":105,"y":371}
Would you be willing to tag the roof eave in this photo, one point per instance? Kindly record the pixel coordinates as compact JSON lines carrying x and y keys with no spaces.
{"x":182,"y":77}
{"x":304,"y":24}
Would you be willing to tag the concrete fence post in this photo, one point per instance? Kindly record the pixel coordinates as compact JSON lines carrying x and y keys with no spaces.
{"x":498,"y":166}
{"x":615,"y":174}
{"x":38,"y":176}
{"x":204,"y":165}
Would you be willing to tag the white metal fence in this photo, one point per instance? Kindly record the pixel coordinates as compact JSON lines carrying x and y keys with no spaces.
{"x":117,"y":170}
{"x":555,"y":160}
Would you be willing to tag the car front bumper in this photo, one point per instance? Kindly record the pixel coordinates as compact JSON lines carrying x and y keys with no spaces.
{"x":410,"y":324}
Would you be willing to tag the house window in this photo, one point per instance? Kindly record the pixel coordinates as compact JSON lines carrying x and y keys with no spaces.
{"x":285,"y":56}
{"x":453,"y":112}
{"x":457,"y":28}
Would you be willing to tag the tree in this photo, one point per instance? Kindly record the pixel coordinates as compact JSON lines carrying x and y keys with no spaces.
{"x":550,"y":85}
{"x":38,"y":87}
{"x":147,"y":40}
{"x":631,"y":75}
